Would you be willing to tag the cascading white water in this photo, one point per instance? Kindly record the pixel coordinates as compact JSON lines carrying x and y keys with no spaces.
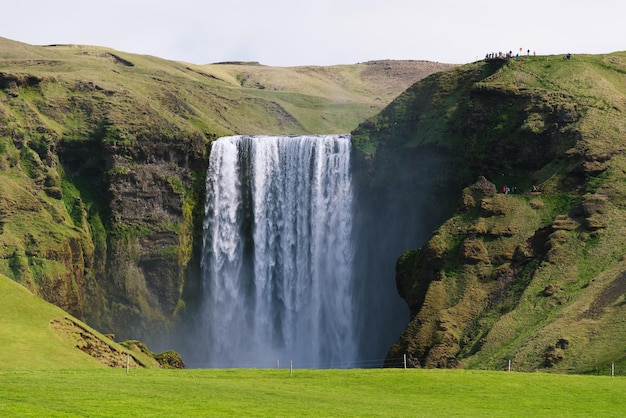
{"x":277,"y":261}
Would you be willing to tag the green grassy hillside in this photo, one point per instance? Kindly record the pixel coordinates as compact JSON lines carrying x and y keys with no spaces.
{"x":129,"y":90}
{"x":535,"y":276}
{"x":36,"y":335}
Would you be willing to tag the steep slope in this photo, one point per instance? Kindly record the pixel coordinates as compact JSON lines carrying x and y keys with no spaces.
{"x":535,"y":275}
{"x":103,"y":156}
{"x":28,"y":324}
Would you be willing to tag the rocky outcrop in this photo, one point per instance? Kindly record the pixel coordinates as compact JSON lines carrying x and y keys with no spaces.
{"x":531,"y":248}
{"x":152,"y":189}
{"x":94,"y":345}
{"x":169,"y":359}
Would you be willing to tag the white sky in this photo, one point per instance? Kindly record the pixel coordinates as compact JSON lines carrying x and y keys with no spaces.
{"x":321,"y":32}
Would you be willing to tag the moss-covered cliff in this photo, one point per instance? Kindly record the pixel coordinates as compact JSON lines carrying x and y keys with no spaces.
{"x":535,"y":275}
{"x":103,"y":157}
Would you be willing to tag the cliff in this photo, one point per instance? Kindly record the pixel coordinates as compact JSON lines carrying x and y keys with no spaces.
{"x":525,"y":159}
{"x":103,"y":157}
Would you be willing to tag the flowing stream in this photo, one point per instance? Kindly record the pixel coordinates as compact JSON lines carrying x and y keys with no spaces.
{"x":278,"y":253}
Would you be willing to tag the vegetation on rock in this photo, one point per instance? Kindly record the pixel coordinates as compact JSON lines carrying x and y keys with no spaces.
{"x":534,"y":275}
{"x":169,"y":359}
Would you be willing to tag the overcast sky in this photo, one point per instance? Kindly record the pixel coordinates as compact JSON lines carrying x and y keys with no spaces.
{"x":321,"y":32}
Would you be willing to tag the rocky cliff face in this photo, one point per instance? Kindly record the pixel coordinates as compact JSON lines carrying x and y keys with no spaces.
{"x":149,"y":191}
{"x":520,"y":269}
{"x":101,"y":226}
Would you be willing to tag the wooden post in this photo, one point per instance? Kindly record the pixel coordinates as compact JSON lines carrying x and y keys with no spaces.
{"x":509,"y":365}
{"x":290,"y":368}
{"x":405,"y":360}
{"x":278,"y":364}
{"x":127,"y":362}
{"x":612,"y":369}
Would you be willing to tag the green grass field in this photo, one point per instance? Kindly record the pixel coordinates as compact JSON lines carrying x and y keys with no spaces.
{"x":272,"y":393}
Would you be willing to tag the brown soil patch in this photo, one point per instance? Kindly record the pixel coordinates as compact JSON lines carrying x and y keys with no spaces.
{"x":401,"y":74}
{"x":99,"y":348}
{"x":609,"y":295}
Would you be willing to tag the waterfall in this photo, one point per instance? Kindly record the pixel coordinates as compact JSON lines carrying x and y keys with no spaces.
{"x":278,"y":252}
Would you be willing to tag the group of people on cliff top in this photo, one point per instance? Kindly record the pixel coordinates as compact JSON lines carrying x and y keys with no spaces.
{"x":515,"y":190}
{"x":506,"y":55}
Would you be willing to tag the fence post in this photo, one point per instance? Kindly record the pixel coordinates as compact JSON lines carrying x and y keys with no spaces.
{"x":127,"y":362}
{"x":404,"y":360}
{"x":612,"y":369}
{"x":290,"y":368}
{"x":509,"y":365}
{"x":278,"y":364}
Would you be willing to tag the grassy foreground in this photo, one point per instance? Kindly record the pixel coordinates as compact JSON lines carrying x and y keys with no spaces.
{"x":239,"y":392}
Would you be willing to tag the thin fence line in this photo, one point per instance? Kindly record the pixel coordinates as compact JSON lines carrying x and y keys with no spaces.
{"x":614,"y":369}
{"x":352,"y":364}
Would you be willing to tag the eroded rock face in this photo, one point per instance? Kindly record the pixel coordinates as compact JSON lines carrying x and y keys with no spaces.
{"x":85,"y":340}
{"x":13,"y":83}
{"x":67,"y":292}
{"x":150,"y":189}
{"x":476,"y":266}
{"x":473,"y":196}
